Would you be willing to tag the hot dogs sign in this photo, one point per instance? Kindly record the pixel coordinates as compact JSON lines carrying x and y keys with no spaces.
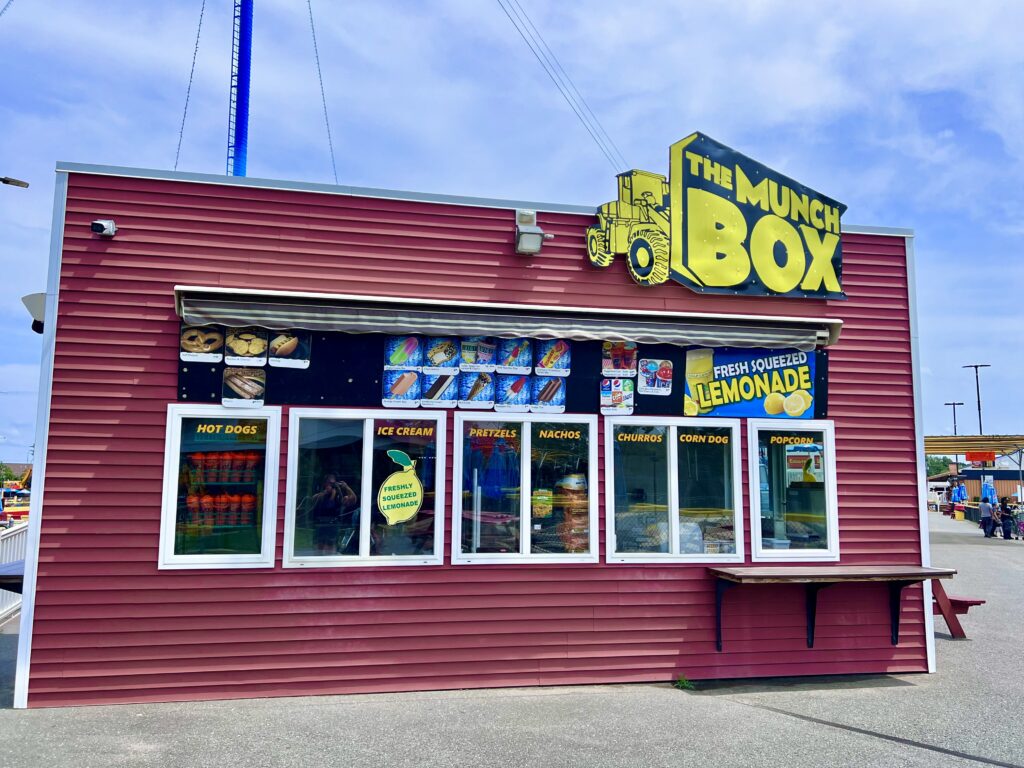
{"x":722,"y":223}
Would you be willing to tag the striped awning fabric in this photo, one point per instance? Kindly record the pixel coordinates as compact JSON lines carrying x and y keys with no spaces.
{"x":369,"y":315}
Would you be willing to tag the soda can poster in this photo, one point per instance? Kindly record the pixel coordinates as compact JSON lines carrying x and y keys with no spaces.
{"x":750,"y":383}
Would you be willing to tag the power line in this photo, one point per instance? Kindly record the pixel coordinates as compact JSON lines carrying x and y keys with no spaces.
{"x":7,"y":5}
{"x":572,"y":86}
{"x":191,"y":74}
{"x":545,"y":64}
{"x":323,"y":97}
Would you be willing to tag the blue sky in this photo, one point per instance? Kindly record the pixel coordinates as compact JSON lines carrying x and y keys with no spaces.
{"x":912,"y":115}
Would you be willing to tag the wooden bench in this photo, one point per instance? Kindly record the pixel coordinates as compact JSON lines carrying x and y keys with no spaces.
{"x":949,"y":607}
{"x":817,"y":578}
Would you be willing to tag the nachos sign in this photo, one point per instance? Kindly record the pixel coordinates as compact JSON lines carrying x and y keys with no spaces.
{"x":722,"y":223}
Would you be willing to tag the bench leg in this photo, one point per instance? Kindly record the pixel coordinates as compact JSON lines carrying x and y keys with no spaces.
{"x":946,"y":609}
{"x":721,"y":587}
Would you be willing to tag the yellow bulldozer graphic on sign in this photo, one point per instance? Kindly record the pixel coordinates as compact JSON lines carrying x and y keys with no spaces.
{"x":637,"y":224}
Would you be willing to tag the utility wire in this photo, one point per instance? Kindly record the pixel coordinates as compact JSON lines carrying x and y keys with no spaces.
{"x":533,"y":46}
{"x":323,"y":97}
{"x":572,"y":86}
{"x":7,"y":5}
{"x":191,"y":74}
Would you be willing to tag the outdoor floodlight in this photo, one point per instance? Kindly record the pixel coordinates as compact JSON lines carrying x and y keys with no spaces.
{"x":13,"y":182}
{"x":529,"y":237}
{"x":35,"y":303}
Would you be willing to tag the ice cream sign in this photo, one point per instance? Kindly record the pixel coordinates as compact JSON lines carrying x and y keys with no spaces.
{"x":722,"y":223}
{"x":750,"y":383}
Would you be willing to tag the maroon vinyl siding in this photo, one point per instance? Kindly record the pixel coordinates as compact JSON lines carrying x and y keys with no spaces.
{"x":110,"y":627}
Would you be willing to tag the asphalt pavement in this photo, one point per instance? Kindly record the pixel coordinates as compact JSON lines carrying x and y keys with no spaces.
{"x":970,"y":713}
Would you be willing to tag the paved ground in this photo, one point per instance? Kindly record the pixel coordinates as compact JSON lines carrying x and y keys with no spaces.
{"x":971,"y":713}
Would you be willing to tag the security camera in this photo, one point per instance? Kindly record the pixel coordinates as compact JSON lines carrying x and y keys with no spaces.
{"x":104,"y":227}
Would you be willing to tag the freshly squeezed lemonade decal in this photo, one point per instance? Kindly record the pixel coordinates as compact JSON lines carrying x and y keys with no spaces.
{"x":751,"y":383}
{"x":401,"y":494}
{"x":722,"y":223}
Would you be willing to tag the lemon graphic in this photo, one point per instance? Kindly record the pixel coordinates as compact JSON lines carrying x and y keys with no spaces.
{"x":806,"y":396}
{"x":401,"y":494}
{"x":773,"y":404}
{"x":689,"y":406}
{"x":794,"y":404}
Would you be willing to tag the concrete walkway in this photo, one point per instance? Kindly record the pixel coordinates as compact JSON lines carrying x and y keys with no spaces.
{"x":970,"y":713}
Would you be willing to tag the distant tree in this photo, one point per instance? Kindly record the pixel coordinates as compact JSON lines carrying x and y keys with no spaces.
{"x":938,"y":464}
{"x":6,"y":473}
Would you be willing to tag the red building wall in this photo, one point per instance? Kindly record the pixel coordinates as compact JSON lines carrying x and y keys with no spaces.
{"x":110,"y":627}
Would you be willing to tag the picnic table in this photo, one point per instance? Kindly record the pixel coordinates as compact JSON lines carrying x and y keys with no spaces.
{"x":817,"y":578}
{"x":12,"y":576}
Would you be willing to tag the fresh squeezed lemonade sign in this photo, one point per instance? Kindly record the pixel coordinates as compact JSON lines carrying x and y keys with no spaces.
{"x":749,"y":383}
{"x":722,"y":223}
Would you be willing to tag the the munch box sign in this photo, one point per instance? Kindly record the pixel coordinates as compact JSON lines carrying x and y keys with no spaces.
{"x":722,"y":223}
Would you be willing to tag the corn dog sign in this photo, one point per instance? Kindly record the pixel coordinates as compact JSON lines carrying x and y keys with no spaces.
{"x":722,"y":223}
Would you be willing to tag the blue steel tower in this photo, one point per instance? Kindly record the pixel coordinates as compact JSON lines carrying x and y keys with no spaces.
{"x":238,"y":109}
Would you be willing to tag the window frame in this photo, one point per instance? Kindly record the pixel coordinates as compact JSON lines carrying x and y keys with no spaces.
{"x":523,"y":557}
{"x":167,"y":559}
{"x":672,"y":423}
{"x":366,"y":492}
{"x":759,"y":554}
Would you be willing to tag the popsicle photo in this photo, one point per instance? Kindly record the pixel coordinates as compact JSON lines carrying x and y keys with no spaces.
{"x":548,"y":395}
{"x":512,"y":393}
{"x":402,"y":353}
{"x":401,"y":388}
{"x":514,"y":356}
{"x":553,"y":357}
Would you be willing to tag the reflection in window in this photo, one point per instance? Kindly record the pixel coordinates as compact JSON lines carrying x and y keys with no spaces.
{"x":706,"y":504}
{"x":792,"y":485}
{"x":220,"y":486}
{"x":491,"y":486}
{"x":330,"y":472}
{"x":408,"y":448}
{"x":559,"y":501}
{"x":641,"y":488}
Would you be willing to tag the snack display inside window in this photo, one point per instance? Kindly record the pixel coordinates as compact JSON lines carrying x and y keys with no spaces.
{"x":526,"y":488}
{"x":707,"y":505}
{"x":641,"y":507}
{"x":793,"y":468}
{"x":221,"y":474}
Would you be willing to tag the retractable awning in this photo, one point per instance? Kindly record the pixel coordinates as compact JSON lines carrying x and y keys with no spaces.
{"x":950,"y":445}
{"x":282,"y":310}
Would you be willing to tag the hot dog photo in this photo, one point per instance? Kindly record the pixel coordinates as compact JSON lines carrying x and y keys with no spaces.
{"x":290,"y":349}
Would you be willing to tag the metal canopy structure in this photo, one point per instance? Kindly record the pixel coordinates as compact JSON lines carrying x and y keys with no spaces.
{"x":949,"y":445}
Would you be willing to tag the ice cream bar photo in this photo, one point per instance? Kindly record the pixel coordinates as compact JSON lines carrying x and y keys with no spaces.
{"x":403,"y":351}
{"x":439,"y":387}
{"x":550,"y":391}
{"x":403,"y":384}
{"x":554,"y":354}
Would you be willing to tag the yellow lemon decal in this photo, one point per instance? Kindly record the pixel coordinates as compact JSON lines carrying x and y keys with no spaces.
{"x":806,"y":396}
{"x":690,"y":406}
{"x":773,"y":404}
{"x":401,"y":494}
{"x":794,"y":404}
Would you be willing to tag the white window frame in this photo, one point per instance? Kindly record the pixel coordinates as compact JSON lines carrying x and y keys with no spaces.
{"x":759,"y":553}
{"x":169,"y":503}
{"x":366,"y":492}
{"x":524,"y":556}
{"x":673,"y":424}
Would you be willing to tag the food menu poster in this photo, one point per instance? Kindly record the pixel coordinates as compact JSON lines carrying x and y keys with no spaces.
{"x":346,"y":370}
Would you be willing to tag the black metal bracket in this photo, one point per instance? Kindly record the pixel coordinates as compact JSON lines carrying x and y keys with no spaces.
{"x":895,"y":597}
{"x":811,"y":598}
{"x":721,"y":587}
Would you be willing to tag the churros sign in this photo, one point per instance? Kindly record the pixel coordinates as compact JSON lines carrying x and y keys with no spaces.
{"x":722,"y":223}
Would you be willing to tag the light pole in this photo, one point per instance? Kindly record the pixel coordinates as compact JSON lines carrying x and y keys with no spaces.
{"x":956,"y":456}
{"x":977,"y":389}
